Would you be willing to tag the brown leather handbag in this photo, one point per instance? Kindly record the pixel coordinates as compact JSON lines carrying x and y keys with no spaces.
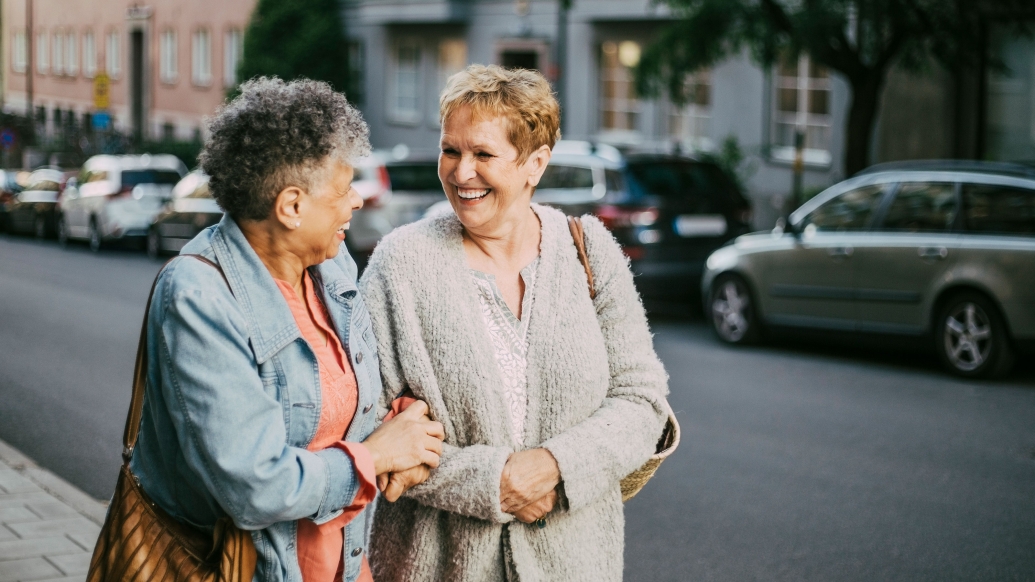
{"x":141,"y":543}
{"x":633,"y":482}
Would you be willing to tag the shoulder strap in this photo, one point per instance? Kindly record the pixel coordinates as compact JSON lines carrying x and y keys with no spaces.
{"x":136,"y":405}
{"x":577,"y":234}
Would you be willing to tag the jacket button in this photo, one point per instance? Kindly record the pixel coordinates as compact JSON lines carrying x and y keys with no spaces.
{"x":359,"y":358}
{"x":367,"y":408}
{"x":357,"y":552}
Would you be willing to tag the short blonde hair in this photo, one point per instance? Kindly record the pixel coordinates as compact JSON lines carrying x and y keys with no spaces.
{"x":524,"y":98}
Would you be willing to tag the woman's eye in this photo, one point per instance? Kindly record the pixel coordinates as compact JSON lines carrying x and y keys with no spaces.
{"x":483,"y":155}
{"x":450,"y":152}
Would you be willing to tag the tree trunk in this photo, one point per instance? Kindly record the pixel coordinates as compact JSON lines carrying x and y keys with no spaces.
{"x":862,"y":114}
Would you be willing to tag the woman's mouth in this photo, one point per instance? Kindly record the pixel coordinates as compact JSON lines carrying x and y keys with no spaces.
{"x":473,"y":194}
{"x":343,"y":228}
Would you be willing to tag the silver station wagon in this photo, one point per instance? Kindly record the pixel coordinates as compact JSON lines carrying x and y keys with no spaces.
{"x":936,"y":250}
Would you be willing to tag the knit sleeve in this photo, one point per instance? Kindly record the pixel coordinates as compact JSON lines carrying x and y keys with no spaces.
{"x":620,"y":436}
{"x":467,"y":480}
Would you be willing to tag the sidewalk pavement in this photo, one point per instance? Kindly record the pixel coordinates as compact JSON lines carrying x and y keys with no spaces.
{"x":48,"y":527}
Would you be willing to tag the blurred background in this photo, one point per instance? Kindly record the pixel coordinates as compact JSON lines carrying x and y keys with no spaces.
{"x":829,"y":208}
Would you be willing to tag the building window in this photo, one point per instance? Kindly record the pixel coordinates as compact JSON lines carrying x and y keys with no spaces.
{"x":19,"y":53}
{"x":59,"y":53}
{"x":168,"y":131}
{"x":690,"y":124}
{"x":233,"y":52}
{"x":167,"y":69}
{"x":201,"y":58}
{"x":801,"y":103}
{"x":452,"y":58}
{"x":112,"y":58}
{"x":619,"y":105}
{"x":405,"y":83}
{"x":354,"y":91}
{"x":42,"y":63}
{"x":1010,"y":104}
{"x":71,"y":54}
{"x":89,"y":55}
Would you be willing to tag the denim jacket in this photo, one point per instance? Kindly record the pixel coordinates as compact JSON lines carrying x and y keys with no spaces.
{"x":233,"y":399}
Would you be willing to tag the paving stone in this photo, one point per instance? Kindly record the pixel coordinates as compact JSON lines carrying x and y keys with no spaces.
{"x":71,"y":564}
{"x":65,"y":579}
{"x":15,"y":549}
{"x":6,"y":534}
{"x":16,"y":515}
{"x":52,"y":527}
{"x":85,"y":540}
{"x":22,"y":499}
{"x":12,"y":482}
{"x":27,"y":569}
{"x":52,"y":509}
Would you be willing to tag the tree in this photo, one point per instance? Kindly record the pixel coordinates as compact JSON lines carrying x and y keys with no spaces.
{"x":297,"y":38}
{"x":860,"y":39}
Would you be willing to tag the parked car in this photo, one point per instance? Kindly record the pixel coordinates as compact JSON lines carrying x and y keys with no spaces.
{"x":9,"y":188}
{"x":942,"y":250}
{"x":415,"y":187}
{"x":117,"y":197}
{"x":34,"y":209}
{"x":191,"y":210}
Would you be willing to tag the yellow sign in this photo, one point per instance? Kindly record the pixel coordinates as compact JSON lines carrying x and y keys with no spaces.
{"x":101,"y":85}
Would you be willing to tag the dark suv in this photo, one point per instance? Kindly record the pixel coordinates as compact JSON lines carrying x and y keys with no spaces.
{"x":669,"y":214}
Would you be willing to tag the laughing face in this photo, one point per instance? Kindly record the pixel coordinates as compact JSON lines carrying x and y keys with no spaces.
{"x":326,"y":212}
{"x":481,"y":173}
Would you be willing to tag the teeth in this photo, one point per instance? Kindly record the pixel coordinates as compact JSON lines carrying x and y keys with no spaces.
{"x":344,"y":227}
{"x":472,"y":194}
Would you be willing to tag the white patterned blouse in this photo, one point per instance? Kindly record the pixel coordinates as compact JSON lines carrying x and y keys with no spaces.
{"x":509,"y":337}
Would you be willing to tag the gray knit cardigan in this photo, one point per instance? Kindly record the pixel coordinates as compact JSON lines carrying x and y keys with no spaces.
{"x":595,"y":400}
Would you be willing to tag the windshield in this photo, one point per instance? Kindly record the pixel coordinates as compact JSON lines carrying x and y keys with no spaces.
{"x":131,"y":178}
{"x":414,"y":177}
{"x":703,"y":185}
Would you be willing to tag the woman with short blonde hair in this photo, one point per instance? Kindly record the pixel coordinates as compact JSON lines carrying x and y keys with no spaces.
{"x":548,"y":397}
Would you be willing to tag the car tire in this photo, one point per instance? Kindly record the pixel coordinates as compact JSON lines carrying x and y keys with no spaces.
{"x":153,"y":244}
{"x":39,"y":226}
{"x":732,"y":311}
{"x":94,"y":236}
{"x":62,"y":231}
{"x":971,"y":337}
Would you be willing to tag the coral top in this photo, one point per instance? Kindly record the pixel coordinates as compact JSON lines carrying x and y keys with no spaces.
{"x":321,"y":547}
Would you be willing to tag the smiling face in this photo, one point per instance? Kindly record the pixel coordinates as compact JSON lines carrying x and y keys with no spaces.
{"x":325,"y":211}
{"x":482,"y":174}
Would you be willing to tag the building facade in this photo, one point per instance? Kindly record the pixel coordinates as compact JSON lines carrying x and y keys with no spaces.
{"x":404,"y":50}
{"x":169,"y":62}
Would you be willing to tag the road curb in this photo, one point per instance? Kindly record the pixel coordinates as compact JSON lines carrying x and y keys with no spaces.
{"x":87,"y":506}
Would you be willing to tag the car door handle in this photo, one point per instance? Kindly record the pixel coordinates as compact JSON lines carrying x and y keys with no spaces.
{"x":933,"y":253}
{"x":841,"y":252}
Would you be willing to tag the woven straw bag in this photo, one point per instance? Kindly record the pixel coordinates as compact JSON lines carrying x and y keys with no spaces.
{"x":633,"y":482}
{"x":141,"y":543}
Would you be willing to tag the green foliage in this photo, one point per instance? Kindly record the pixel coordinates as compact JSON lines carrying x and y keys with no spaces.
{"x":291,"y":39}
{"x":730,"y":157}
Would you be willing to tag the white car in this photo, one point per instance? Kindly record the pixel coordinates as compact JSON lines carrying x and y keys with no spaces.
{"x":117,"y":197}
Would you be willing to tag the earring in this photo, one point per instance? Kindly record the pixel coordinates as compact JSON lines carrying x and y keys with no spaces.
{"x":298,"y":224}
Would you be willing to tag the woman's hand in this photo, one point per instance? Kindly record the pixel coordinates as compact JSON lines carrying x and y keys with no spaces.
{"x":393,"y":485}
{"x":528,"y":477}
{"x":409,"y":440}
{"x":537,"y":509}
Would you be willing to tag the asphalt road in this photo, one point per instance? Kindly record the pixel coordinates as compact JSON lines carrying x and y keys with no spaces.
{"x":799,"y":461}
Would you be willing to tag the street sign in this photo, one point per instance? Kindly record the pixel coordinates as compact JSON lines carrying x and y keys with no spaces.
{"x":101,"y":120}
{"x":101,"y":85}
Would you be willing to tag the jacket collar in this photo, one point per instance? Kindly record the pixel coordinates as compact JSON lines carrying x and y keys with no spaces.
{"x":270,"y":321}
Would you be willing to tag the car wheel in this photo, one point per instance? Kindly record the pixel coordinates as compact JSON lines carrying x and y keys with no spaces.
{"x":94,"y":236}
{"x":733,"y":314}
{"x":62,"y":231}
{"x":154,"y":243}
{"x":971,"y":338}
{"x":39,"y":226}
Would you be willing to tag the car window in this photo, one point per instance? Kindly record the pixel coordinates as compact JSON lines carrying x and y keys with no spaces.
{"x":201,"y":191}
{"x":557,"y":176}
{"x":999,"y":209}
{"x":86,"y":176}
{"x":47,"y":185}
{"x":613,"y":181}
{"x":414,"y":177}
{"x":922,"y":207}
{"x":700,"y":187}
{"x":849,"y":211}
{"x":131,"y":178}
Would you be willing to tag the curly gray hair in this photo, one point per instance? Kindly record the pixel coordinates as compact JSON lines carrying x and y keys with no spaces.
{"x":274,"y":135}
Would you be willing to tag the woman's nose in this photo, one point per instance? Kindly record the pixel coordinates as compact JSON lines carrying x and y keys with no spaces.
{"x":465,"y":169}
{"x":356,"y":199}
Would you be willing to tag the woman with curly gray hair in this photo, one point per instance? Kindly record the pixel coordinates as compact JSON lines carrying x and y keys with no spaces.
{"x":262,"y":374}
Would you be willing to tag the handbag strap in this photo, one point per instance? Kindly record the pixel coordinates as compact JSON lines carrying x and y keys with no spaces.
{"x":579,"y":236}
{"x":136,"y":404}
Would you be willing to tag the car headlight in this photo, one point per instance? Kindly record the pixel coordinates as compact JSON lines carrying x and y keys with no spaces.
{"x":722,"y":259}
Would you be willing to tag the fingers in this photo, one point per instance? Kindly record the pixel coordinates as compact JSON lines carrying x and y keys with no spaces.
{"x":436,"y":430}
{"x":539,"y":508}
{"x":382,"y":481}
{"x":394,"y":491}
{"x":414,"y":411}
